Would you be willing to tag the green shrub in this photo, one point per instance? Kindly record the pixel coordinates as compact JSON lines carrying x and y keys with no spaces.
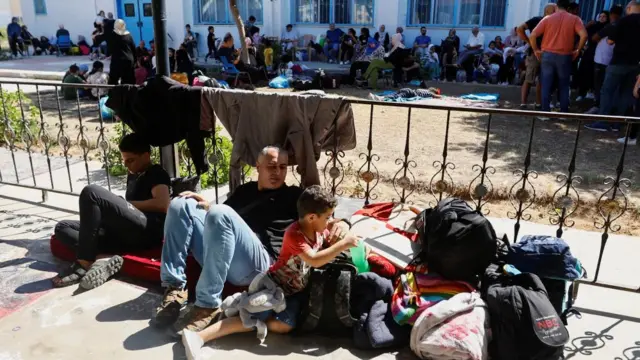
{"x":10,"y":102}
{"x":117,"y":168}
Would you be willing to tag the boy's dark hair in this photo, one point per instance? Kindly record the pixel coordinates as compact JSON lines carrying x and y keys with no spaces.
{"x":210,"y":28}
{"x":252,"y":18}
{"x":616,"y":10}
{"x":492,"y":42}
{"x":564,"y":4}
{"x":74,"y":68}
{"x":289,"y":26}
{"x":227,"y":36}
{"x":315,"y":200}
{"x":134,"y":143}
{"x":188,"y":26}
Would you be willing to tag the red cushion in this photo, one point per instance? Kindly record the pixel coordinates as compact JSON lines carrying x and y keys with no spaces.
{"x":145,"y":266}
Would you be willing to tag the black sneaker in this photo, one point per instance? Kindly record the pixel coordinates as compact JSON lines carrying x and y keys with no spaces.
{"x":169,"y":310}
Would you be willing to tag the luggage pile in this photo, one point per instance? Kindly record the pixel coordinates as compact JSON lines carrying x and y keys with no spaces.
{"x":468,"y":294}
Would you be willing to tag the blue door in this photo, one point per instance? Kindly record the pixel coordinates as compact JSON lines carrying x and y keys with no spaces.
{"x":138,"y":16}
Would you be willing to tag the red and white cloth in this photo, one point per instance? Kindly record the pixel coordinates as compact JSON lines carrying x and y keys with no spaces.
{"x":454,"y":329}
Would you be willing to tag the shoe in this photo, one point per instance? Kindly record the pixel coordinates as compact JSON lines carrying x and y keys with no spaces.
{"x":590,"y":96}
{"x":196,"y":319}
{"x":101,"y":271}
{"x":631,"y":141}
{"x":347,"y":62}
{"x":543,"y":118}
{"x":598,"y":126}
{"x":593,"y":111}
{"x":192,"y":344}
{"x":169,"y":310}
{"x":330,"y":61}
{"x":579,"y":98}
{"x":524,"y":106}
{"x":537,"y":107}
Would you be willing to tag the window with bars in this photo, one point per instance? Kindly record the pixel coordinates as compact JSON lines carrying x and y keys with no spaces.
{"x":486,"y":13}
{"x":217,"y":11}
{"x":355,"y":12}
{"x":40,"y":7}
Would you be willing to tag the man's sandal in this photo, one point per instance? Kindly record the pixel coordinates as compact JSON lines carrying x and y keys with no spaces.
{"x":71,"y":275}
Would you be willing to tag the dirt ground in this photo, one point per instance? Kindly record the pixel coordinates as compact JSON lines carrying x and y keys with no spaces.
{"x":597,"y":157}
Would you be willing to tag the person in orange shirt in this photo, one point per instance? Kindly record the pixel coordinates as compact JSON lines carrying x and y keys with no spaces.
{"x":557,"y":52}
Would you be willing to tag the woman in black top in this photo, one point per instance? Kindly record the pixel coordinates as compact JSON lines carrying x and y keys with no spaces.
{"x":348,"y":45}
{"x":123,"y":53}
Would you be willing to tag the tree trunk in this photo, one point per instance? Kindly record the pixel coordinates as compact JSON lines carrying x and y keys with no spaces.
{"x":236,"y":16}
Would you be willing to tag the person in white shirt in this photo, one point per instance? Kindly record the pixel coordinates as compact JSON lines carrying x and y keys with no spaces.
{"x":289,"y":38}
{"x":474,"y":46}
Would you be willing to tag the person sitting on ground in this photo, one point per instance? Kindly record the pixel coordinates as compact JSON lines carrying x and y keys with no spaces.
{"x":332,"y":42}
{"x":28,"y":37}
{"x":249,"y":227}
{"x":400,"y":30}
{"x":392,"y":60}
{"x":211,"y":44}
{"x":71,"y":77}
{"x":142,"y":51}
{"x":305,"y":245}
{"x":493,"y":51}
{"x":474,"y":46}
{"x":289,"y":38}
{"x":14,"y":35}
{"x":189,"y":41}
{"x":408,"y":70}
{"x":110,"y":224}
{"x":408,"y":93}
{"x":421,"y":43}
{"x":97,"y":76}
{"x":348,"y":46}
{"x":382,"y":37}
{"x":373,"y":51}
{"x":499,"y":44}
{"x":143,"y":70}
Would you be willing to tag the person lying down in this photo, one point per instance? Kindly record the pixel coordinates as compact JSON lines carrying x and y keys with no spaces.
{"x":408,"y":93}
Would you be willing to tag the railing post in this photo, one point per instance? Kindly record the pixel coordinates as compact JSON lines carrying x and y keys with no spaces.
{"x":168,"y":154}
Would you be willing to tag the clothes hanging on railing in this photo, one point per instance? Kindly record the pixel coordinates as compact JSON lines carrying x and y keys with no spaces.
{"x":304,"y":124}
{"x":165,"y":112}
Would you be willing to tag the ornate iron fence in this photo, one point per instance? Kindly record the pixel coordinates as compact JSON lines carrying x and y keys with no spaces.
{"x":24,"y":137}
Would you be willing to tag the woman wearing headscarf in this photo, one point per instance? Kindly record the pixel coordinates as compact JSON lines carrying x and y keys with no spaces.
{"x":393,"y":60}
{"x":382,"y":37}
{"x":123,"y":53}
{"x":372,"y":51}
{"x":513,"y":40}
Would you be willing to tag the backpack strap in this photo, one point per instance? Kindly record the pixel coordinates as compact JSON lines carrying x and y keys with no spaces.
{"x":316,"y":300}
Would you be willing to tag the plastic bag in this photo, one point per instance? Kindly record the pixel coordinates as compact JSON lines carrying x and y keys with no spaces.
{"x":279,"y":82}
{"x":107,"y":113}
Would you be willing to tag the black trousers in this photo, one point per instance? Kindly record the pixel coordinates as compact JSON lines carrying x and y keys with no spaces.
{"x":108,"y":224}
{"x":358,"y":65}
{"x":599,"y":71}
{"x":121,"y":70}
{"x":14,"y":44}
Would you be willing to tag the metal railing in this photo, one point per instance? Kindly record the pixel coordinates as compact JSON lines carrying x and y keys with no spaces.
{"x":611,"y":204}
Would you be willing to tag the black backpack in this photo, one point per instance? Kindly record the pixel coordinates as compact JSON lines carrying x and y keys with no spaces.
{"x":524,"y":324}
{"x":327,"y":306}
{"x":458,"y":242}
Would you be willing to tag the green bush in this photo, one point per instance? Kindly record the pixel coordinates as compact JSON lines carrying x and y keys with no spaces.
{"x":117,"y":168}
{"x":10,"y":102}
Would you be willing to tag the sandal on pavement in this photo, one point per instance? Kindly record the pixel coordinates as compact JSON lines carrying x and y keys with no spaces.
{"x":101,"y":271}
{"x":70,"y":276}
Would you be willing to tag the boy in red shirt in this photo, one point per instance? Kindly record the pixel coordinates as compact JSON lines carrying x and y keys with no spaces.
{"x":303,"y":247}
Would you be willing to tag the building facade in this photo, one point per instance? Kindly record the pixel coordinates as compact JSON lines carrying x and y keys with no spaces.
{"x":494,"y":17}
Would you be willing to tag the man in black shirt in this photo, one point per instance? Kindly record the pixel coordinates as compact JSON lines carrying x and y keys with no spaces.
{"x":531,"y":62}
{"x":617,"y":89}
{"x":233,"y":242}
{"x":110,"y":224}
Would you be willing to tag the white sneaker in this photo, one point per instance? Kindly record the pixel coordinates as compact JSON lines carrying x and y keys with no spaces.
{"x":542,"y":118}
{"x":347,"y":62}
{"x":192,"y":344}
{"x":579,"y":98}
{"x":590,"y":96}
{"x":631,"y":141}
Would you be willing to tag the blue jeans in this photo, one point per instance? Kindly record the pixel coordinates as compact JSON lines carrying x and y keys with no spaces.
{"x":221,"y":242}
{"x":617,"y":89}
{"x":552,"y":67}
{"x":331,"y":50}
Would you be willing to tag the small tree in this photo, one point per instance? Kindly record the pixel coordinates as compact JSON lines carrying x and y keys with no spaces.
{"x":238,"y":19}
